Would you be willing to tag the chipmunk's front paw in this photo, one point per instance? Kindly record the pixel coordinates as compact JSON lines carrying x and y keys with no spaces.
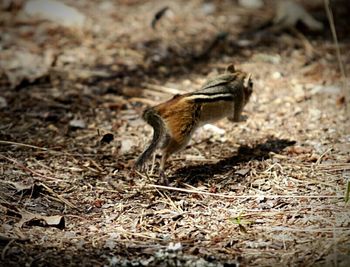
{"x":163,"y":178}
{"x":242,"y":118}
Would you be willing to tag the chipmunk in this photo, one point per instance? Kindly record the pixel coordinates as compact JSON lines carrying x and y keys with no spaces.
{"x":175,"y":120}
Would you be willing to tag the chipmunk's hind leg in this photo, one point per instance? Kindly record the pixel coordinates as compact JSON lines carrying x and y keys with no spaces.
{"x":162,"y":175}
{"x":170,"y":148}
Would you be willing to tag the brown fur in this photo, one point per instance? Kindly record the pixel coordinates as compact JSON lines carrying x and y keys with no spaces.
{"x":179,"y":120}
{"x":175,"y":120}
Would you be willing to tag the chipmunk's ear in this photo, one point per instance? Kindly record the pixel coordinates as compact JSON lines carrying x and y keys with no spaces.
{"x":230,"y":69}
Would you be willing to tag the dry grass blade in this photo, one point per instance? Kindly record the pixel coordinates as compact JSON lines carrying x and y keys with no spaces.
{"x":43,"y":149}
{"x":28,"y":170}
{"x":335,"y":38}
{"x":32,"y":146}
{"x":235,"y":197}
{"x":60,"y":198}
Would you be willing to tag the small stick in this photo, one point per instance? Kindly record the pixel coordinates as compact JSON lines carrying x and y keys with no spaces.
{"x":96,"y":165}
{"x":44,"y":149}
{"x":241,"y":196}
{"x":323,"y":154}
{"x":31,"y":146}
{"x":65,"y":201}
{"x":26,"y":169}
{"x":335,"y":38}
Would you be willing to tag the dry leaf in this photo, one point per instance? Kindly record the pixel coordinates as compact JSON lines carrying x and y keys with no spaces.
{"x":242,"y":172}
{"x":32,"y":219}
{"x":33,"y":189}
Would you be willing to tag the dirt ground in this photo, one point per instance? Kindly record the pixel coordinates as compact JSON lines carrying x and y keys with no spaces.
{"x":270,"y":191}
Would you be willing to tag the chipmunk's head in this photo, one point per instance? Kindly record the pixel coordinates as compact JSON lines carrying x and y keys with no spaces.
{"x":247,"y":87}
{"x":244,"y":77}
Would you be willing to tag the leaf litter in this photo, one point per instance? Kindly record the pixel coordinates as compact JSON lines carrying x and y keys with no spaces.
{"x":272,"y":190}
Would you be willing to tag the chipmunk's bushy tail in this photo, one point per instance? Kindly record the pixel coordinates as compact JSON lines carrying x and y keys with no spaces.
{"x":153,"y":119}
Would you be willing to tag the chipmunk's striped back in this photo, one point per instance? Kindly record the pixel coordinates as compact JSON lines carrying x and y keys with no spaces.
{"x":175,"y":120}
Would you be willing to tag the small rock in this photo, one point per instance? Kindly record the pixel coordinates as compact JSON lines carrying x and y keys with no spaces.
{"x":326,"y":89}
{"x":77,"y":124}
{"x":253,"y":4}
{"x":274,"y":59}
{"x":244,"y":43}
{"x":315,"y":114}
{"x":260,"y":199}
{"x":55,"y":11}
{"x":126,"y":145}
{"x":208,"y":8}
{"x":106,"y":6}
{"x":3,"y":102}
{"x":174,"y":246}
{"x":214,"y":129}
{"x":276,"y":75}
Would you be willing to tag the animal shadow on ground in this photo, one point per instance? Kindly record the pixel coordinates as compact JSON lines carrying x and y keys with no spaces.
{"x":194,"y":174}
